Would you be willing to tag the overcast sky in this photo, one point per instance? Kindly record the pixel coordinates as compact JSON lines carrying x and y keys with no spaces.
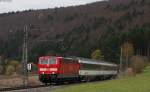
{"x":18,"y":5}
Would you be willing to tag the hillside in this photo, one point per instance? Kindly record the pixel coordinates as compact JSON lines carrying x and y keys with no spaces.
{"x":139,"y":83}
{"x":77,"y":31}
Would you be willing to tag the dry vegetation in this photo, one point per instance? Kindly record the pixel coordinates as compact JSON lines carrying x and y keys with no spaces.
{"x":17,"y":81}
{"x":138,"y":63}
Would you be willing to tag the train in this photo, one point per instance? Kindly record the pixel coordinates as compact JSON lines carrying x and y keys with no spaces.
{"x":54,"y":69}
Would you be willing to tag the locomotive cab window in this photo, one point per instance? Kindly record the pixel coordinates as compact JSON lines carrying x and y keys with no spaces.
{"x":48,"y":61}
{"x":52,"y":61}
{"x":43,"y":62}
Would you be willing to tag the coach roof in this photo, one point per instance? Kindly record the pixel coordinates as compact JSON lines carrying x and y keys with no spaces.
{"x":99,"y":62}
{"x":92,"y":61}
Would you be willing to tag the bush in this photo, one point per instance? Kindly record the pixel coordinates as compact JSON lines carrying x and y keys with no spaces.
{"x":1,"y":69}
{"x":15,"y":64}
{"x":19,"y":69}
{"x":138,"y":63}
{"x":10,"y":70}
{"x":13,"y":67}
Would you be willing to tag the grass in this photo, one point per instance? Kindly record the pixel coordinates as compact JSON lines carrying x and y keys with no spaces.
{"x":139,"y":83}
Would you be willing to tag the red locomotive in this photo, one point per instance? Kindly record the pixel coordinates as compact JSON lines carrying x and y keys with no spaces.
{"x":54,"y":69}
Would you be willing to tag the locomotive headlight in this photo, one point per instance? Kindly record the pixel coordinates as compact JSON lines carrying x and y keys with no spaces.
{"x":43,"y":69}
{"x":48,"y":69}
{"x":53,"y":69}
{"x":53,"y":72}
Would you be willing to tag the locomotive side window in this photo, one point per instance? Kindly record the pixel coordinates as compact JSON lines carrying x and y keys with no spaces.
{"x":90,"y":66}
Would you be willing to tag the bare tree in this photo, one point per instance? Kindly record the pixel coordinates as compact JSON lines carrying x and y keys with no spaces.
{"x":127,"y":52}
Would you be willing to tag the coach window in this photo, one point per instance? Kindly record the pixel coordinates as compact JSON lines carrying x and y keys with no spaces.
{"x":103,"y":68}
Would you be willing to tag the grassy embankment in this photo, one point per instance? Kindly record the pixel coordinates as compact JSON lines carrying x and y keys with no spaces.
{"x":139,"y":83}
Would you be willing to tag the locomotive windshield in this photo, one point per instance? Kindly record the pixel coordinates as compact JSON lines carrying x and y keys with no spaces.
{"x":52,"y":61}
{"x":48,"y":61}
{"x":43,"y":61}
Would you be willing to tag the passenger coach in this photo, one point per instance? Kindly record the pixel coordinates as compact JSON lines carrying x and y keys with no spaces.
{"x":53,"y":69}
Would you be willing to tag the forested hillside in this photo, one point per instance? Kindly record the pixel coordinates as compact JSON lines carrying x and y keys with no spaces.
{"x":79,"y":30}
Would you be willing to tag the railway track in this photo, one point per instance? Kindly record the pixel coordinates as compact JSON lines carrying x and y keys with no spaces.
{"x":20,"y":88}
{"x":42,"y":88}
{"x":38,"y":87}
{"x":49,"y":87}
